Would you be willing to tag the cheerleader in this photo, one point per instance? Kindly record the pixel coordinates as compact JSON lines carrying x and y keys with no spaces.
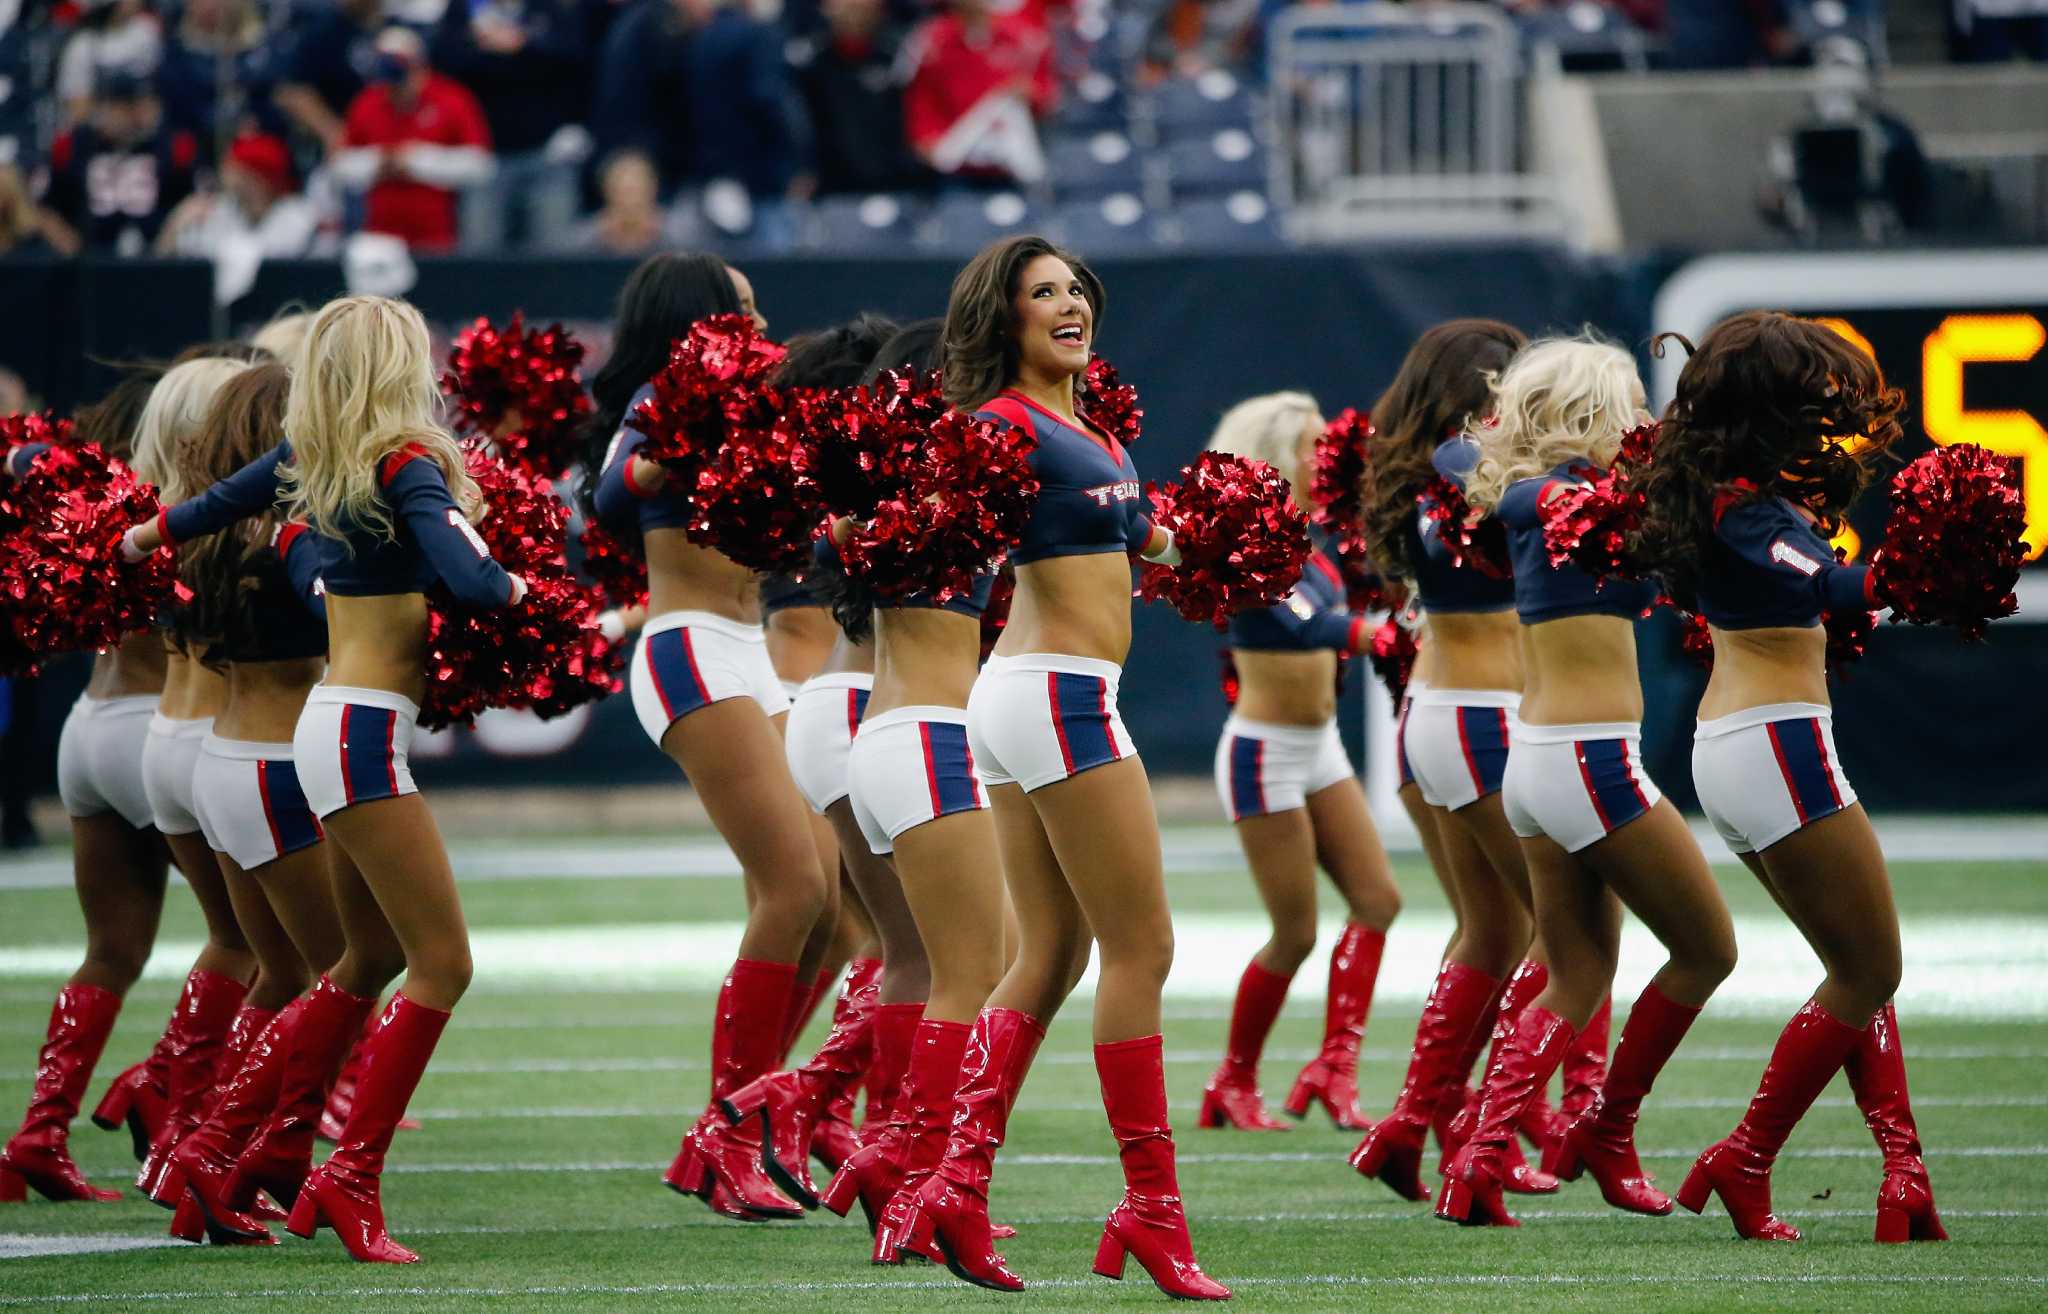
{"x":1751,"y":473}
{"x":118,"y":868}
{"x":1453,"y":738}
{"x":1286,"y":783}
{"x":254,"y":613}
{"x":1072,"y":807}
{"x":706,"y":694}
{"x":370,"y":471}
{"x":1590,"y":820}
{"x":228,"y":1009}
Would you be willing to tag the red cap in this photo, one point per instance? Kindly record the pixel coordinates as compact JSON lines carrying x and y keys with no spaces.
{"x":266,"y":157}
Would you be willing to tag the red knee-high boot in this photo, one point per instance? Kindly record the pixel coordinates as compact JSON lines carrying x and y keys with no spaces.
{"x":341,"y":1092}
{"x":1809,"y":1052}
{"x":1585,"y":1068}
{"x":344,"y":1192}
{"x":1331,"y":1077}
{"x":952,"y":1205}
{"x":315,"y":1038}
{"x":1602,"y":1139}
{"x":928,"y":1099}
{"x":137,"y":1099}
{"x":721,"y":1163}
{"x":803,"y":1001}
{"x":206,"y":1159}
{"x":1392,"y":1150}
{"x":1521,"y":1067}
{"x":1463,"y":1088}
{"x":1877,"y":1073}
{"x":1516,"y":1173}
{"x":208,"y":1025}
{"x":1149,"y":1222}
{"x":249,"y":1024}
{"x":39,"y":1154}
{"x":869,"y":1173}
{"x":1232,"y":1097}
{"x":794,"y":1102}
{"x":834,"y":1140}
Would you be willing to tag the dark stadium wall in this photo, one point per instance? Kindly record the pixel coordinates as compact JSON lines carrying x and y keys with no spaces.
{"x":1195,"y":335}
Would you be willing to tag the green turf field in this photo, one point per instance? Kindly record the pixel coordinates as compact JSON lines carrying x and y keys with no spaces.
{"x":576,"y":1061}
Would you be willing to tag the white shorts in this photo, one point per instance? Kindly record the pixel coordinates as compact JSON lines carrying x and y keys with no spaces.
{"x":168,"y":756}
{"x":1036,"y":719}
{"x":1456,"y":742}
{"x":1401,"y":733}
{"x":99,"y":758}
{"x":351,"y":747}
{"x":687,"y":660}
{"x":911,"y":765}
{"x":1263,"y":768}
{"x":820,"y":730}
{"x":1576,"y":783}
{"x":250,"y":804}
{"x":1764,"y":772}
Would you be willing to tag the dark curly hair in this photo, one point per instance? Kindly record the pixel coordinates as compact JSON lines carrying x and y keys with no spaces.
{"x":1775,"y":406}
{"x":1444,"y":382}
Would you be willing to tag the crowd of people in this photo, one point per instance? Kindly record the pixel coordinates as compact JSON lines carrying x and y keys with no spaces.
{"x":194,"y":127}
{"x":945,"y":827}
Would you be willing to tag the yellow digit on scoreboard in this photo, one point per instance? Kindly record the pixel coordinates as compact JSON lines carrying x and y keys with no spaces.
{"x":1963,"y":340}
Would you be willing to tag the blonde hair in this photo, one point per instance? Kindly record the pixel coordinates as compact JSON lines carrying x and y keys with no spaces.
{"x":281,"y":336}
{"x":173,"y":417}
{"x":1266,"y":428}
{"x":1559,"y":398}
{"x":362,"y":388}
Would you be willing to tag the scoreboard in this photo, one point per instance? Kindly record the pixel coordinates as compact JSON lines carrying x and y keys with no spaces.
{"x":1964,"y":333}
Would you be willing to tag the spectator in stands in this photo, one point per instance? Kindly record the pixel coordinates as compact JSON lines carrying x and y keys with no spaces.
{"x":847,"y":71}
{"x":631,"y":221}
{"x":1984,"y":31}
{"x":747,"y":143}
{"x":1728,"y":33}
{"x":413,"y":139}
{"x":641,"y":101}
{"x":327,"y":61}
{"x":257,"y":211}
{"x":24,"y":231}
{"x":116,"y":177}
{"x":111,"y":34}
{"x":189,"y":81}
{"x":527,"y":64}
{"x":1190,"y":37}
{"x":979,"y":81}
{"x":1852,"y":170}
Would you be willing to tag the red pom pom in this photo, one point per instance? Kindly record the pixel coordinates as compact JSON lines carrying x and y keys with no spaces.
{"x":521,"y":389}
{"x":718,"y":427}
{"x":965,"y":498}
{"x":1848,"y":636}
{"x":1394,"y":648}
{"x":618,"y":572}
{"x":1109,"y":405}
{"x":30,"y":427}
{"x":544,"y":653}
{"x":63,"y":584}
{"x":1480,"y":542}
{"x":1242,"y":541}
{"x":1591,"y":525}
{"x":1953,"y":547}
{"x":1695,"y":639}
{"x":863,"y":442}
{"x":1337,"y":488}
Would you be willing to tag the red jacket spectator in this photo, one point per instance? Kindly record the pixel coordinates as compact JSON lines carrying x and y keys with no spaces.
{"x":967,"y":67}
{"x":413,"y":138}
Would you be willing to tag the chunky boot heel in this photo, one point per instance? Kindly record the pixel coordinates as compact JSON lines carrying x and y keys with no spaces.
{"x":1877,"y":1074}
{"x":1905,"y":1209}
{"x":1109,"y":1257}
{"x":1150,"y":1220}
{"x":188,"y":1223}
{"x":1694,"y":1190}
{"x":1454,"y":1202}
{"x":305,"y":1219}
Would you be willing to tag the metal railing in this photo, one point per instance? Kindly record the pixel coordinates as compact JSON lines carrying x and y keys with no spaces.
{"x":1394,"y":120}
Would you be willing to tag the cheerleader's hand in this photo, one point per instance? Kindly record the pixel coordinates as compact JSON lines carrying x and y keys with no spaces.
{"x":611,"y":625}
{"x":132,"y":550}
{"x":1160,"y":550}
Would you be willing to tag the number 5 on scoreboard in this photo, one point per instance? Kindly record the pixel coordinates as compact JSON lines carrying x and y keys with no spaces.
{"x":1963,"y":340}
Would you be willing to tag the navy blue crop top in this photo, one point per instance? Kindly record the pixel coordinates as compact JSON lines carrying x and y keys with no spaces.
{"x":1313,"y":616}
{"x":431,"y":538}
{"x":1546,"y":592}
{"x":973,"y":603}
{"x":1769,"y":568}
{"x":285,"y":615}
{"x":1443,"y":587}
{"x":617,"y":501}
{"x":1089,"y":499}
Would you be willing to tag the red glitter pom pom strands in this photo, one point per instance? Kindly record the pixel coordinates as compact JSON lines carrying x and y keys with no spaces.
{"x":1242,"y":541}
{"x":520,"y":388}
{"x":1953,"y":545}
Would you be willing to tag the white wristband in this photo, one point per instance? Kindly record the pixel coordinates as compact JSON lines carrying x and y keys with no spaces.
{"x":131,"y":552}
{"x":1168,"y":555}
{"x":518,"y":589}
{"x":611,"y":625}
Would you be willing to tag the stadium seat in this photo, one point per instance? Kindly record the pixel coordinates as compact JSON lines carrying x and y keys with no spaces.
{"x":1092,"y":166}
{"x":1095,"y":103}
{"x":1244,"y":219}
{"x":970,"y":220}
{"x":1118,"y":222}
{"x":1228,"y":160}
{"x":882,"y":221}
{"x":1201,"y":105}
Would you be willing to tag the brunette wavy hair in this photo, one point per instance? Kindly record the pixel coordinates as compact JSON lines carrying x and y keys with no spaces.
{"x":980,"y":337}
{"x":1443,"y":384}
{"x":1769,"y":405}
{"x":244,"y":421}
